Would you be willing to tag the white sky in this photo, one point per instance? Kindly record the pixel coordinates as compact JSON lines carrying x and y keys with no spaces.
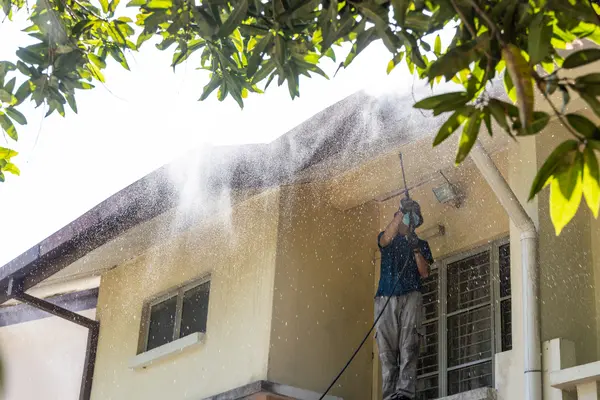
{"x":141,"y":120}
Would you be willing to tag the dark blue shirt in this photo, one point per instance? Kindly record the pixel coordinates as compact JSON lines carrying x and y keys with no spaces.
{"x":393,"y":257}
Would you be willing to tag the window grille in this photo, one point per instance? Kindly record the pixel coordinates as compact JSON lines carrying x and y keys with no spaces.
{"x":467,"y":305}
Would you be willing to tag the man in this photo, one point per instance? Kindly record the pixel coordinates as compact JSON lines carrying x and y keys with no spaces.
{"x":399,"y":327}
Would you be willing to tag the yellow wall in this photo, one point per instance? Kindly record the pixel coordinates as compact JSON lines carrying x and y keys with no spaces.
{"x":240,"y":255}
{"x":43,"y":359}
{"x":323,"y":299}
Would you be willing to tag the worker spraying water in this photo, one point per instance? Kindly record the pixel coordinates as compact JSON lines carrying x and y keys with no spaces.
{"x":405,"y":261}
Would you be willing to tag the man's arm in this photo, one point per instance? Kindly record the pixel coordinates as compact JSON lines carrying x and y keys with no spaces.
{"x":396,"y":226}
{"x":422,"y":263}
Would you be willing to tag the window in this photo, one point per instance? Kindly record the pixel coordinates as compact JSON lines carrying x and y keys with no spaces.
{"x":178,"y":313}
{"x":467,"y":305}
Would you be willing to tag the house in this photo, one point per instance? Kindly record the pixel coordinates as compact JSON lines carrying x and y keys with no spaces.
{"x":249,"y":273}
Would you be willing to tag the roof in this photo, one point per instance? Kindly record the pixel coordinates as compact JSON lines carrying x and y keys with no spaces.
{"x":327,"y":144}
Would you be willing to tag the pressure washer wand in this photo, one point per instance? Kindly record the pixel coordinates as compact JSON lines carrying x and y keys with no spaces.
{"x":404,"y":177}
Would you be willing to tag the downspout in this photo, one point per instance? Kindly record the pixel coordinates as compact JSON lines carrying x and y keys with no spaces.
{"x":530,"y":275}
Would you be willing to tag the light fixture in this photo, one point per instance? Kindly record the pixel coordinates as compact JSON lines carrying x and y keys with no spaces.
{"x":447,"y":193}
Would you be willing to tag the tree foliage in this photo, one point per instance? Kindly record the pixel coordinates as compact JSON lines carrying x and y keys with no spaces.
{"x":247,"y":43}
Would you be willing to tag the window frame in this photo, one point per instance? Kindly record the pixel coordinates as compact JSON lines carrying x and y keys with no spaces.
{"x":441,"y":267}
{"x":177,"y":292}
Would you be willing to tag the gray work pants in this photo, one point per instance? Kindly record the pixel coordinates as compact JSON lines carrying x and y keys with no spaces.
{"x":398,"y":333}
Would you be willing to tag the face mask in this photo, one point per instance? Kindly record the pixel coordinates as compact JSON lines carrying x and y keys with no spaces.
{"x":406,"y":219}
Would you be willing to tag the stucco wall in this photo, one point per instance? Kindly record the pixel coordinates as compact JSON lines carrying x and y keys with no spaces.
{"x":239,"y":253}
{"x":43,"y":359}
{"x":323,"y":300}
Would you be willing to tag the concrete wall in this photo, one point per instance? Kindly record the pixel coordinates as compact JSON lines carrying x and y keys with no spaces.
{"x":238,"y":251}
{"x":43,"y":359}
{"x":323,"y":299}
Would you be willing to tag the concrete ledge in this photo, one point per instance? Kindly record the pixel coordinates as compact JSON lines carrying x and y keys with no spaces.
{"x":568,"y":379}
{"x":260,"y":390}
{"x":145,"y":359}
{"x":475,"y":394}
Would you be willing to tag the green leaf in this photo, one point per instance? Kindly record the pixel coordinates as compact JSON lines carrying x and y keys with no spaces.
{"x":468,"y":137}
{"x":540,"y":34}
{"x":498,"y":111}
{"x":96,"y":73}
{"x":136,"y":3}
{"x":592,"y":102}
{"x":584,"y":126}
{"x":591,"y":180}
{"x":437,"y":48}
{"x":29,"y":56}
{"x":540,"y":120}
{"x":238,"y":42}
{"x":113,"y":6}
{"x":582,"y":57}
{"x":10,"y":85}
{"x":158,"y":4}
{"x":104,"y":4}
{"x":2,"y":178}
{"x":71,"y":101}
{"x":452,"y":124}
{"x":393,"y":62}
{"x":119,"y":57}
{"x":214,"y":83}
{"x":433,"y":102}
{"x":488,"y":120}
{"x":400,"y":8}
{"x":520,"y":74}
{"x":234,"y":20}
{"x":566,"y":190}
{"x":7,"y":97}
{"x":16,"y":115}
{"x":8,"y":127}
{"x":99,"y":62}
{"x":511,"y":91}
{"x":552,"y":164}
{"x":7,"y":154}
{"x":23,"y":92}
{"x":12,"y":168}
{"x":256,"y":56}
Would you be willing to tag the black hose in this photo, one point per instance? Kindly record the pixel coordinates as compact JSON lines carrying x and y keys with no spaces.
{"x":368,"y":333}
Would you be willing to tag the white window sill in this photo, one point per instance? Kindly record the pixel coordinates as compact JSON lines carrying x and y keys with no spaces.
{"x":145,"y":359}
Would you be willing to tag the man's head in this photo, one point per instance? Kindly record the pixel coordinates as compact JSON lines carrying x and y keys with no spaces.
{"x":412,"y":211}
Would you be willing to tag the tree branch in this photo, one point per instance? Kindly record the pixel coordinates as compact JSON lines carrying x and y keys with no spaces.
{"x":487,"y":20}
{"x":463,"y":18}
{"x":556,"y":112}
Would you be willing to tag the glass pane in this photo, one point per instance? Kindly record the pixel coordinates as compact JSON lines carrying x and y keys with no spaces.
{"x":195,"y":310}
{"x":427,"y":388}
{"x":504,"y":252}
{"x":506,"y":325}
{"x":428,"y":358}
{"x":469,"y":282}
{"x":469,"y":336}
{"x":469,"y":378}
{"x":430,"y":295}
{"x":162,"y":323}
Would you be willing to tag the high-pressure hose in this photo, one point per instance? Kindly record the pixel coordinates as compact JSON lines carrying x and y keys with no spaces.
{"x":411,"y":229}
